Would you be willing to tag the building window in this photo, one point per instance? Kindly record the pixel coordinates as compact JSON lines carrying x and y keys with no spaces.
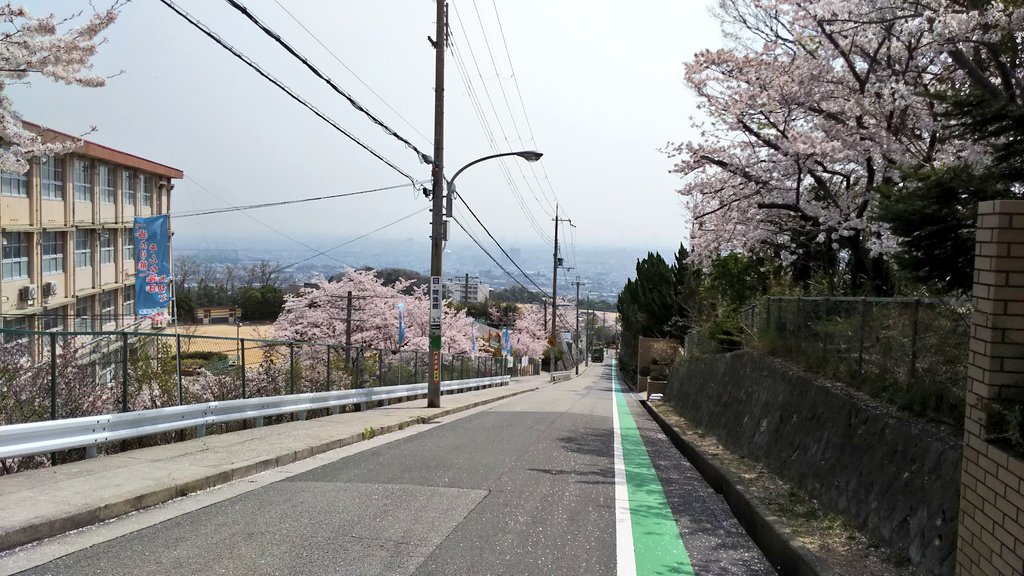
{"x":128,"y":187}
{"x":129,"y":248}
{"x":83,"y":313}
{"x":106,"y":184}
{"x":18,"y":323}
{"x":106,"y":247}
{"x":107,"y":304}
{"x":83,"y":248}
{"x":128,"y":303}
{"x":107,"y":366}
{"x":83,"y":181}
{"x":53,"y":253}
{"x":15,"y":255}
{"x":53,"y":320}
{"x":51,"y":177}
{"x":12,"y":184}
{"x":147,"y":192}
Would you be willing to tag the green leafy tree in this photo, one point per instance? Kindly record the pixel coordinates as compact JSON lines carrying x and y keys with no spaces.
{"x":263,"y":303}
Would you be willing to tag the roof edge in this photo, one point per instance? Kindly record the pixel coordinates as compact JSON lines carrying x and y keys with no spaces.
{"x":101,"y":152}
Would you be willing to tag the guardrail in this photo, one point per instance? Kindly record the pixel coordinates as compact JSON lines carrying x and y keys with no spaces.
{"x":18,"y":440}
{"x":559,"y":376}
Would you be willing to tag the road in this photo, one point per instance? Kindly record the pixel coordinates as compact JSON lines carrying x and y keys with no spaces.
{"x":571,"y":479}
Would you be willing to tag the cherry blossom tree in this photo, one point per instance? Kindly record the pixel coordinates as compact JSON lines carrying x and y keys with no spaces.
{"x":812,"y":108}
{"x":319,"y":315}
{"x":55,"y":49}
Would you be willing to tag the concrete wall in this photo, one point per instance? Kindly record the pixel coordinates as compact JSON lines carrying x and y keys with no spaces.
{"x":890,"y":475}
{"x":991,"y":534}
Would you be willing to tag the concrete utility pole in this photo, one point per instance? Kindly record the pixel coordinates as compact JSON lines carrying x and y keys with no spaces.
{"x":465,"y":291}
{"x":587,"y":323}
{"x":437,"y":196}
{"x":554,"y":292}
{"x":576,"y":337}
{"x":348,"y":328}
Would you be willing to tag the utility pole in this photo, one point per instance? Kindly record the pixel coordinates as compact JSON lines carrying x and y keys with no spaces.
{"x":590,"y":346}
{"x":465,"y":291}
{"x":554,"y":293}
{"x":437,"y":216}
{"x":576,"y":337}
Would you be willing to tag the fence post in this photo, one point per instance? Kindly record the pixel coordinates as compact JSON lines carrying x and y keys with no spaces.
{"x":769,"y":325}
{"x":359,"y":362}
{"x":177,"y":361}
{"x":242,"y":360}
{"x":53,"y":375}
{"x":291,"y":367}
{"x":824,"y":332}
{"x":913,"y":340}
{"x":799,"y":317}
{"x":415,"y":366}
{"x":380,"y":367}
{"x":860,"y":348}
{"x":124,"y":372}
{"x":328,"y":368}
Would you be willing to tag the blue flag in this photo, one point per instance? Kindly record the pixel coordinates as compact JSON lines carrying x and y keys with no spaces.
{"x":506,"y":342}
{"x":152,"y":264}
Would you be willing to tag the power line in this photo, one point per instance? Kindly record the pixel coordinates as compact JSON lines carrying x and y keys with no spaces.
{"x":425,"y":158}
{"x":255,"y":219}
{"x":489,"y":133}
{"x":493,"y":259}
{"x":512,"y":69}
{"x":266,"y":75}
{"x":500,"y":247}
{"x":191,"y":213}
{"x":343,"y":244}
{"x":352,"y":72}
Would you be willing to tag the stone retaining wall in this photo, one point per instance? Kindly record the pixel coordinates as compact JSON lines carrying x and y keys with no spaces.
{"x":893,"y":476}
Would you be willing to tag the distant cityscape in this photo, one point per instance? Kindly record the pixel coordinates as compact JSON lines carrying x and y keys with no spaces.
{"x":603,"y":271}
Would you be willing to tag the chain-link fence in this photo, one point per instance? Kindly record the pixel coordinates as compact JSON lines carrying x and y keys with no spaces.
{"x":911,"y":352}
{"x":54,"y":375}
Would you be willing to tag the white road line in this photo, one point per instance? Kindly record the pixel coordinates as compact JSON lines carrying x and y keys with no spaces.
{"x":625,"y":559}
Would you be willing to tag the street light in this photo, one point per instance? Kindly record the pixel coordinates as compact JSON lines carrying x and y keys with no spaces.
{"x":436,"y":253}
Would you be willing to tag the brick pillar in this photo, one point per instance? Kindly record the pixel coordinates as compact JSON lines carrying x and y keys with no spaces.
{"x":990,"y":537}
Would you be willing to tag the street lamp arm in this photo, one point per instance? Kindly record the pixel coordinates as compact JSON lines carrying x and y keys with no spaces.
{"x":528,"y":155}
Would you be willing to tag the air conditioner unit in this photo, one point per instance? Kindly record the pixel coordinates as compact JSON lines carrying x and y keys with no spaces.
{"x":28,"y":292}
{"x":49,"y":289}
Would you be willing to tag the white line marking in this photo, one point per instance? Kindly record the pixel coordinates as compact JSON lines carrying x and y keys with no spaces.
{"x":625,"y":559}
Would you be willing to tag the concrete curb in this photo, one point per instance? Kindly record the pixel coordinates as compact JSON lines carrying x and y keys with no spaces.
{"x":783,"y":550}
{"x":49,"y":527}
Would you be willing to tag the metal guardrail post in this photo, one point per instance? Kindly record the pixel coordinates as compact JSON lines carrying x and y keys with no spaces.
{"x":242,"y":360}
{"x":291,"y":367}
{"x":124,"y":372}
{"x":53,"y":375}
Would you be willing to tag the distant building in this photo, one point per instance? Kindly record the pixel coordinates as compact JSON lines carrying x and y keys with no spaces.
{"x":218,"y":314}
{"x":67,"y":236}
{"x":466,"y":289}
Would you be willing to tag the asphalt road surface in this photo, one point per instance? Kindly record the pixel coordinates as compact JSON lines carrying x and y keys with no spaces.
{"x":571,"y":479}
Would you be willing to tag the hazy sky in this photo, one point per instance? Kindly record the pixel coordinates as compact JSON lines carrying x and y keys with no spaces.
{"x":601,"y":83}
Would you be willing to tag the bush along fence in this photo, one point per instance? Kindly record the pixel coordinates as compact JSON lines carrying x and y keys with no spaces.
{"x":56,"y":375}
{"x":909,"y":352}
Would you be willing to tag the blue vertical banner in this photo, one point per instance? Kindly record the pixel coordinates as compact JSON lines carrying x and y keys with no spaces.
{"x":401,"y":324}
{"x":506,"y":342}
{"x":152,"y":264}
{"x":472,"y":338}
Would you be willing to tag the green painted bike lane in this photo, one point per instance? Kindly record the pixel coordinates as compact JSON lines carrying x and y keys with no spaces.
{"x":657,"y":546}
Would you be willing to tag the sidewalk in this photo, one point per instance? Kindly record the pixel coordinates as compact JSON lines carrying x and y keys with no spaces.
{"x":42,"y":503}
